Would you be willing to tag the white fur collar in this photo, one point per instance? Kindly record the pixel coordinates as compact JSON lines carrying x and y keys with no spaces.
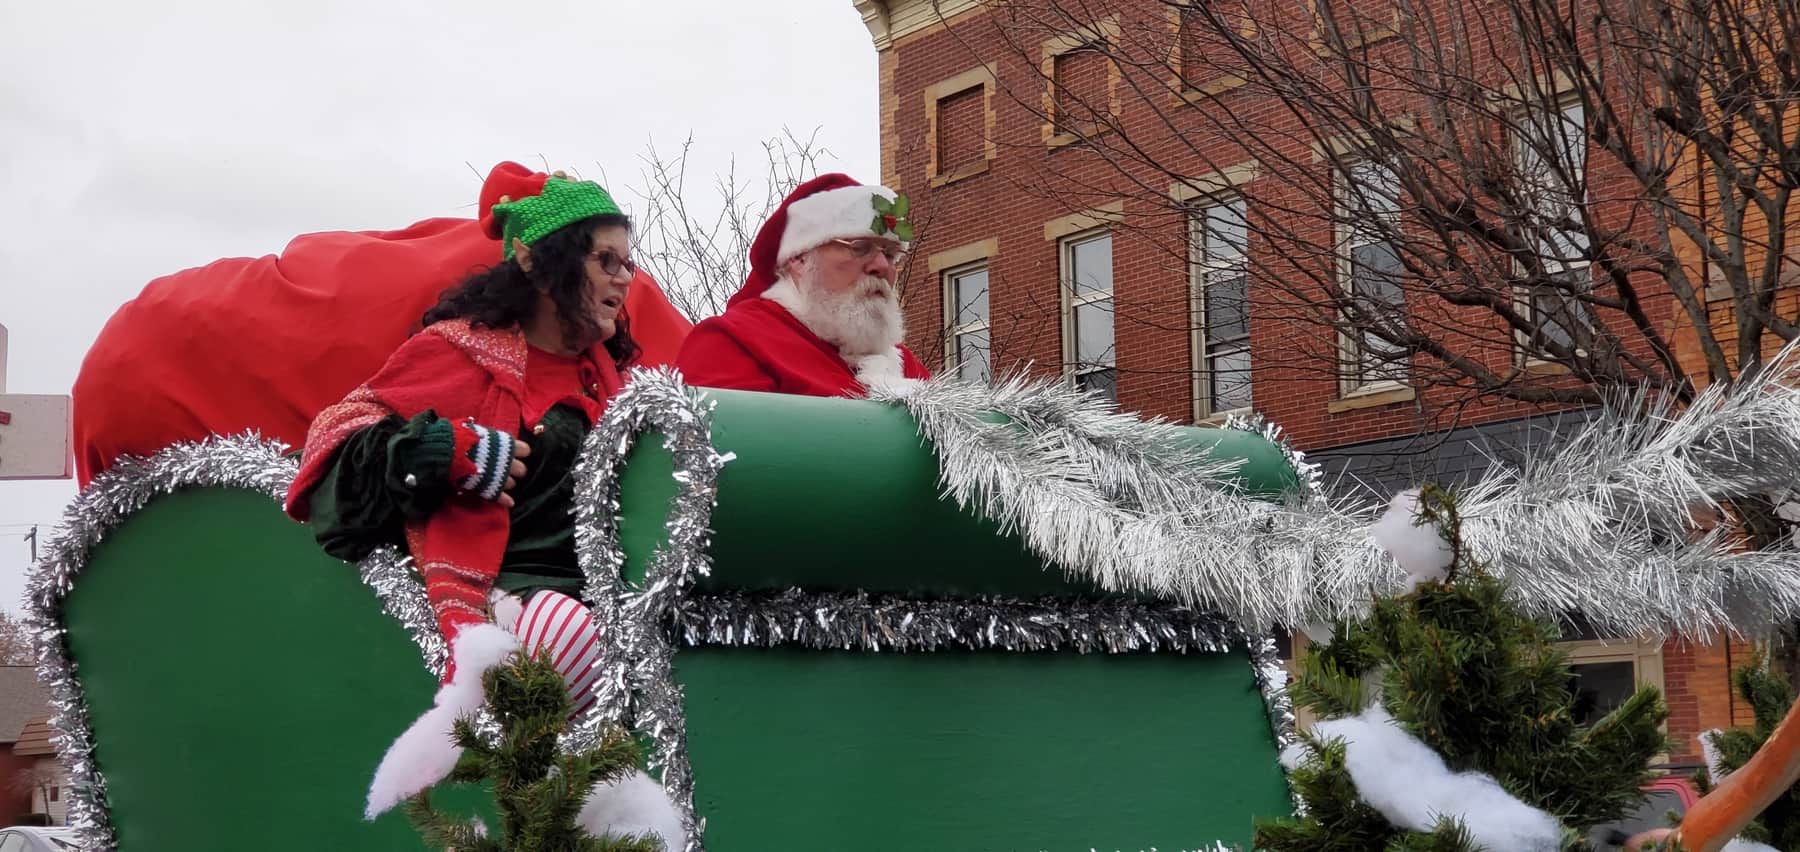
{"x":884,"y":370}
{"x":786,"y":294}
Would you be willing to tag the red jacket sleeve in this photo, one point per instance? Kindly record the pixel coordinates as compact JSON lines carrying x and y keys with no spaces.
{"x":427,"y":371}
{"x":711,"y":357}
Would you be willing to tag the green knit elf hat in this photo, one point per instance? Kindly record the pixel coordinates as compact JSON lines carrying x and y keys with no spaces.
{"x":517,"y":203}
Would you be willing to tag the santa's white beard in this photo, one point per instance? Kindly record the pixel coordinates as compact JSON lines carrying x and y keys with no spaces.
{"x":860,"y":321}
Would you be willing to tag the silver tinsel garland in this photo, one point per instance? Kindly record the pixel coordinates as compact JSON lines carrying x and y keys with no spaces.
{"x":390,"y":574}
{"x":1609,"y":525}
{"x":1115,"y":501}
{"x":636,"y":687}
{"x":856,"y":621}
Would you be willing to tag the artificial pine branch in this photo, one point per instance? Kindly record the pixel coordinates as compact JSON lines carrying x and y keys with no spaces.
{"x":538,"y":792}
{"x":1482,"y":685}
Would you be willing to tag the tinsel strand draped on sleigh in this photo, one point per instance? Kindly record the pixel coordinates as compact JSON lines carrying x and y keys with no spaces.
{"x":1603,"y":525}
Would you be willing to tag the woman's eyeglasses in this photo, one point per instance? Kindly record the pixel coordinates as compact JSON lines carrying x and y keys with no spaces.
{"x":866,"y":247}
{"x":611,"y":263}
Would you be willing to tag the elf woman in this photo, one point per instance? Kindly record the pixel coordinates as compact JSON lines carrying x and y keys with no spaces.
{"x":462,"y":447}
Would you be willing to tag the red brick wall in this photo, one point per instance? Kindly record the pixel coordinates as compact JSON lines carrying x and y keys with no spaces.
{"x":1295,"y":372}
{"x":1294,"y":357}
{"x":1698,"y":680}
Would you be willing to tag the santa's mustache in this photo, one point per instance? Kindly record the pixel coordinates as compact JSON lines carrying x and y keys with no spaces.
{"x":872,"y":285}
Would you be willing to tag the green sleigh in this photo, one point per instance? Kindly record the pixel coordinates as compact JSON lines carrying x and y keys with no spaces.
{"x":823,"y":647}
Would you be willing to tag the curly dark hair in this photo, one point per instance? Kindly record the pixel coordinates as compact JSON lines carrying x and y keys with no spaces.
{"x":504,"y":295}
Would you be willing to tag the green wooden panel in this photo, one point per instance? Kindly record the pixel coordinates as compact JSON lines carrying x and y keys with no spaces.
{"x":834,"y":494}
{"x":977,"y":751}
{"x":242,"y":685}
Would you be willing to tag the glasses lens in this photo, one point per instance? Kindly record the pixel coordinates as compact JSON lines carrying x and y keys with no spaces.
{"x":611,"y":263}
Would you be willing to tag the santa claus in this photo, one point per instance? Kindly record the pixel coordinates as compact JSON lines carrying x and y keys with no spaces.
{"x":819,"y":314}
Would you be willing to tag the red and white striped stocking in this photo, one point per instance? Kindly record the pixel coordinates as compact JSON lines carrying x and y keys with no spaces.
{"x":552,"y":620}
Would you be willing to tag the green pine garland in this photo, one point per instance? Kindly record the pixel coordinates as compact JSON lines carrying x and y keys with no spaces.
{"x":1483,"y":686}
{"x":538,"y":792}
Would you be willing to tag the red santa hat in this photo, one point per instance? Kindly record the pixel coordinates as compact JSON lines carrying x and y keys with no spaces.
{"x":828,"y":207}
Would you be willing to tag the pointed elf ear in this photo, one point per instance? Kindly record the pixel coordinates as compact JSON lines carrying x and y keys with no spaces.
{"x":522,"y":254}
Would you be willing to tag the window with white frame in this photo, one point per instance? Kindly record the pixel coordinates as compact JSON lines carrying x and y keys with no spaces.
{"x":1368,"y":197}
{"x":1088,"y":323}
{"x":1607,"y":670}
{"x":1551,"y":150}
{"x":1221,"y":302}
{"x":966,"y":323}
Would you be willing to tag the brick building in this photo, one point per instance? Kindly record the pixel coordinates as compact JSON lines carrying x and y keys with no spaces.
{"x":1038,"y":254}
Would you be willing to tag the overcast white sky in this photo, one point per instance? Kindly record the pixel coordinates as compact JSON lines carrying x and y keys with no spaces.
{"x":137,"y":139}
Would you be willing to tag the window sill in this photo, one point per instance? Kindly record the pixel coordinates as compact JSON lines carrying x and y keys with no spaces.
{"x":1356,"y":40}
{"x":1537,"y":367}
{"x":1373,"y":396}
{"x":1218,"y":418}
{"x":959,"y":173}
{"x":1211,"y":88}
{"x":1055,"y":138}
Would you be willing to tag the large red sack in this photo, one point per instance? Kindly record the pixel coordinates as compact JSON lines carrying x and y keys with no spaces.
{"x":266,"y":343}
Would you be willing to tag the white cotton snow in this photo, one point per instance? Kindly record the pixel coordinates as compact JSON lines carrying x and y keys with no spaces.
{"x":1420,"y":551}
{"x":1408,"y":783}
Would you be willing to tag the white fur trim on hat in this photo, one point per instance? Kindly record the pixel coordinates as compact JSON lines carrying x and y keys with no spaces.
{"x":845,"y":213}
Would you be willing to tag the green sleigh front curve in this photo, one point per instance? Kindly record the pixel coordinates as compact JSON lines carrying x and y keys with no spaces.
{"x":229,"y":669}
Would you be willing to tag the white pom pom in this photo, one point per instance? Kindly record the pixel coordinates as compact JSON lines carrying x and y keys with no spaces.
{"x":425,"y":753}
{"x":633,"y":805}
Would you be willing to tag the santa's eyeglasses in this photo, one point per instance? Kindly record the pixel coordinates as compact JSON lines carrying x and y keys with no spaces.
{"x":866,"y":248}
{"x":612,"y":263}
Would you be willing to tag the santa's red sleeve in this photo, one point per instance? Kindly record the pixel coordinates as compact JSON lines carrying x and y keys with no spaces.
{"x":711,"y":357}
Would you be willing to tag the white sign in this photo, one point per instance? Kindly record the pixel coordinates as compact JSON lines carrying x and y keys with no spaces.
{"x":34,"y":436}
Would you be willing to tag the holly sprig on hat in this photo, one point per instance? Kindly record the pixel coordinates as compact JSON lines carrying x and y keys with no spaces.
{"x":890,"y":217}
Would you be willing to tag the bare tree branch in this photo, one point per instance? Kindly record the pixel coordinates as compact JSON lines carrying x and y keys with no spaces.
{"x":699,"y":254}
{"x":1573,"y":185}
{"x":15,"y":642}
